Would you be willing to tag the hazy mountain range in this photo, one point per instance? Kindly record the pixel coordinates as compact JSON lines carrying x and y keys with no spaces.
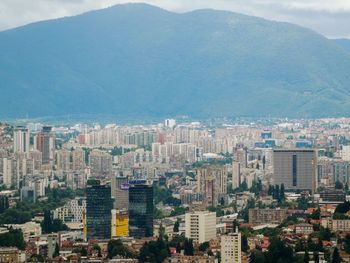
{"x":139,"y":60}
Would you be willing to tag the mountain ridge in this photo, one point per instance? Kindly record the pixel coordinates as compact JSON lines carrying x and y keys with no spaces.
{"x":137,"y":59}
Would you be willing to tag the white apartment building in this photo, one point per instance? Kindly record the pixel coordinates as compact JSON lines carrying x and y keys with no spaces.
{"x":72,"y":211}
{"x":231,"y":248}
{"x":21,"y":137}
{"x":200,"y":226}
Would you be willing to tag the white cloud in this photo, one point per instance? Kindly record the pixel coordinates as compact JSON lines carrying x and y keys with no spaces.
{"x":328,"y":17}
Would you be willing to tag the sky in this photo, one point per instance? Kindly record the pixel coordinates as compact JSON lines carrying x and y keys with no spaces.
{"x":328,"y":17}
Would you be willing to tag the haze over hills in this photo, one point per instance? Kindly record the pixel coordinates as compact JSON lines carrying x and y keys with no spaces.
{"x":344,"y":43}
{"x":139,"y":60}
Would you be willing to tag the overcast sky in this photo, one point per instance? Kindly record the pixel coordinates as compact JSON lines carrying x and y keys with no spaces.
{"x":328,"y":17}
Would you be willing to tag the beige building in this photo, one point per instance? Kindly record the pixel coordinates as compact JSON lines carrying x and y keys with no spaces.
{"x":9,"y":254}
{"x":336,"y":224}
{"x":200,"y":226}
{"x":212,"y":183}
{"x":267,"y":216}
{"x":304,"y":229}
{"x":231,"y":248}
{"x":296,"y":169}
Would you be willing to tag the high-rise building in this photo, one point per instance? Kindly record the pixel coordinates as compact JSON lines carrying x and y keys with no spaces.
{"x":236,"y":174}
{"x":120,"y":192}
{"x":78,"y":158}
{"x":231,"y":248}
{"x":98,"y":211}
{"x":100,"y":163}
{"x":241,"y":156}
{"x":63,"y":160}
{"x":7,"y":173}
{"x":140,"y":210}
{"x":212,"y":183}
{"x":21,"y":139}
{"x":45,"y":143}
{"x":200,"y":226}
{"x":170,"y":123}
{"x":296,"y":169}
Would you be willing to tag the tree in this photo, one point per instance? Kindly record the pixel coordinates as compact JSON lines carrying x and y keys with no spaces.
{"x":154,"y":251}
{"x":325,"y":234}
{"x":316,"y":214}
{"x":299,"y":246}
{"x":306,"y":256}
{"x":37,"y":258}
{"x":13,"y":238}
{"x":176,"y":226}
{"x":50,"y":225}
{"x":83,"y":252}
{"x":57,"y":251}
{"x":336,"y":257}
{"x":282,"y":195}
{"x":98,"y":249}
{"x":222,"y":201}
{"x":271,"y":190}
{"x":338,"y":185}
{"x":264,"y":162}
{"x":204,"y":246}
{"x":188,"y":247}
{"x":302,"y":203}
{"x":4,"y":203}
{"x":257,"y":257}
{"x":343,"y":208}
{"x":117,"y":248}
{"x":46,"y":224}
{"x":347,"y":244}
{"x":277,"y":192}
{"x":244,"y":185}
{"x":316,"y":257}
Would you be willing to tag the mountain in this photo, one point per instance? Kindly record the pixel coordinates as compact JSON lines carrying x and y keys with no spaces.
{"x":140,"y":60}
{"x":344,"y":43}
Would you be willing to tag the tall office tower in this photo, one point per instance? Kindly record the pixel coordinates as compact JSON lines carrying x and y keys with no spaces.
{"x":140,"y":210}
{"x":98,"y":211}
{"x":78,"y":158}
{"x":200,"y":226}
{"x":100,"y":163}
{"x":231,"y":248}
{"x":45,"y":143}
{"x":212,"y":183}
{"x":296,"y":169}
{"x":236,"y":174}
{"x":21,"y":139}
{"x":120,"y":192}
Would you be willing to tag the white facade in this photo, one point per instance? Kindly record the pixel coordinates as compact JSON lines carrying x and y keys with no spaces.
{"x":231,"y":248}
{"x":170,"y":123}
{"x":7,"y":172}
{"x":21,"y":140}
{"x":200,"y":226}
{"x":236,"y":174}
{"x":72,"y":211}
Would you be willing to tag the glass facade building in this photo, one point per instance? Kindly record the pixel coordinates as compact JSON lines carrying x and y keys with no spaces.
{"x":140,"y":211}
{"x":99,"y":204}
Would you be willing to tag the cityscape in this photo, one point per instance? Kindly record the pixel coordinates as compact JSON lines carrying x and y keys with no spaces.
{"x":250,"y":191}
{"x":175,"y":131}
